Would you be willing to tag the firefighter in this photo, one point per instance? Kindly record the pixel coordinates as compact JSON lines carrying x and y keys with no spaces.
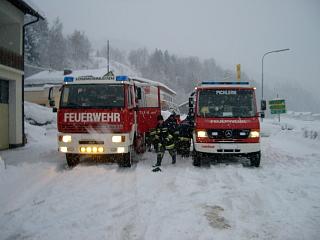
{"x":185,"y":135}
{"x":164,"y":141}
{"x":172,"y":124}
{"x":150,"y":140}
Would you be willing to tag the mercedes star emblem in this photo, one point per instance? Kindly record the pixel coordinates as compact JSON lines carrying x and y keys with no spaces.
{"x":228,"y":133}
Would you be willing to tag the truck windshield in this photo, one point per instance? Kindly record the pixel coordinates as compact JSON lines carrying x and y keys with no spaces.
{"x":226,"y":103}
{"x":92,"y":96}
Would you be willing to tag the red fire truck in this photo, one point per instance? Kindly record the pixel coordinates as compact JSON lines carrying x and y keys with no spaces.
{"x":105,"y":115}
{"x":226,"y":122}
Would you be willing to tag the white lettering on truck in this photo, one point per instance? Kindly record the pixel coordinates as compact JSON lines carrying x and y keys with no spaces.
{"x":226,"y":92}
{"x":91,"y":117}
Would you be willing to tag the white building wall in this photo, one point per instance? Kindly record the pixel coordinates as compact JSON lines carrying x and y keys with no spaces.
{"x":15,"y":103}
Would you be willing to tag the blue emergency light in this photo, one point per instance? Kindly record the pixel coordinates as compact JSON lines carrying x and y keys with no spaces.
{"x":225,"y":83}
{"x":68,"y":79}
{"x":122,"y":78}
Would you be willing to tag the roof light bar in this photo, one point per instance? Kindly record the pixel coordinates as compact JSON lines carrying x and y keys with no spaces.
{"x":122,"y":78}
{"x":225,"y":83}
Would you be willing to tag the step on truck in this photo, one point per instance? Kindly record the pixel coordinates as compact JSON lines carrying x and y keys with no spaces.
{"x":107,"y":115}
{"x":226,"y":122}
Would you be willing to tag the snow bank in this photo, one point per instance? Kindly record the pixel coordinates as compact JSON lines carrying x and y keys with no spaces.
{"x":39,"y":115}
{"x":307,"y":123}
{"x":305,"y":116}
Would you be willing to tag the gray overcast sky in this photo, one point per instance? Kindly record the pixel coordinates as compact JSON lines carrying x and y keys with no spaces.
{"x":231,"y":31}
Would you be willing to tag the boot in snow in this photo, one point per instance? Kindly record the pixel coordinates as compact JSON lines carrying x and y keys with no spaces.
{"x":157,"y":169}
{"x":174,"y":159}
{"x":158,"y":164}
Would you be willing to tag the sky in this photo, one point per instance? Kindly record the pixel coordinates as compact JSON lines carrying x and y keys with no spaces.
{"x":231,"y":31}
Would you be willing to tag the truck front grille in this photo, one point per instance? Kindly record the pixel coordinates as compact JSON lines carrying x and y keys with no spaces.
{"x":228,"y":133}
{"x":98,"y":128}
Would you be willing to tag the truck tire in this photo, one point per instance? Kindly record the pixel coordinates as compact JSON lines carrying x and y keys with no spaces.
{"x":72,"y":159}
{"x":125,"y":160}
{"x":255,"y":159}
{"x":196,"y":159}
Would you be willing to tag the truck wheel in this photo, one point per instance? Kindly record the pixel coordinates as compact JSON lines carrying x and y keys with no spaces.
{"x":125,"y":160}
{"x":255,"y":159}
{"x":196,"y":159}
{"x":72,"y":159}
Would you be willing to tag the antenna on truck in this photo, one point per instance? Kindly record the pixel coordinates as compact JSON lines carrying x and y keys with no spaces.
{"x":108,"y":56}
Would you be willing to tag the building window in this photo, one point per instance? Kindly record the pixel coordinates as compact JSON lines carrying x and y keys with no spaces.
{"x":4,"y":91}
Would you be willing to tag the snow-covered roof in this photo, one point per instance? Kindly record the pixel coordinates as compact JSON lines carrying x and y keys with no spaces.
{"x":56,"y":77}
{"x":161,"y":85}
{"x":38,"y":88}
{"x":184,"y":103}
{"x":27,"y":7}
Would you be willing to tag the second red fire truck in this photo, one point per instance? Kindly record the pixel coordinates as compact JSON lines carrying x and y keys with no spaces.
{"x":226,"y":122}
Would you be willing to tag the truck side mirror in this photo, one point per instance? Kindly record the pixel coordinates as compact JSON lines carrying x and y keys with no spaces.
{"x":52,"y":103}
{"x":263,"y":105}
{"x":191,"y":109}
{"x":262,"y":115}
{"x":54,"y":109}
{"x":191,"y":102}
{"x":139,"y":93}
{"x":51,"y":98}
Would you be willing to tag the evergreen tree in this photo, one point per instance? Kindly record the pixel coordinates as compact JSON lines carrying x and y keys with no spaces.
{"x":79,"y":48}
{"x":36,"y":38}
{"x":56,"y":49}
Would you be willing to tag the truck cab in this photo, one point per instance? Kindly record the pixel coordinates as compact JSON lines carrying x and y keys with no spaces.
{"x":226,"y":122}
{"x":100,"y":116}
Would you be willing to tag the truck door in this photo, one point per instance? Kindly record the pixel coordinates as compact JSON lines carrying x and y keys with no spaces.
{"x":149,"y":108}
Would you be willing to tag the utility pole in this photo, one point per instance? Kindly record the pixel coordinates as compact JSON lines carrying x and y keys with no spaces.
{"x":274,"y":51}
{"x":278,"y":113}
{"x":108,"y":50}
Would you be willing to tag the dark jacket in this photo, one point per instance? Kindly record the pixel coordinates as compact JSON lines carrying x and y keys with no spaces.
{"x":163,"y":138}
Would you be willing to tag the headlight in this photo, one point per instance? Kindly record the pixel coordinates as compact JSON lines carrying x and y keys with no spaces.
{"x":254,"y":134}
{"x":118,"y":139}
{"x":202,"y":134}
{"x":66,"y":138}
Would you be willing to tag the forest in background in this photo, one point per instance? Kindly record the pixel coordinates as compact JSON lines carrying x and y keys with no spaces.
{"x":46,"y":47}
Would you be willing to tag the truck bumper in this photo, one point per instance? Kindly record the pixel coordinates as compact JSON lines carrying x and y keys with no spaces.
{"x":227,"y":148}
{"x":95,"y":143}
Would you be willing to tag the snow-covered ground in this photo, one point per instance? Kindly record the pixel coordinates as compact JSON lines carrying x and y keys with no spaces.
{"x":42,"y":199}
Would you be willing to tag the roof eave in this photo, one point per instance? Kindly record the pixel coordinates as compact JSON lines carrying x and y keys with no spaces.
{"x":25,"y":8}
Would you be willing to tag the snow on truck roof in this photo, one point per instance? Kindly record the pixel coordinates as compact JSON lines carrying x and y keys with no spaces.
{"x":57,"y":77}
{"x":154,"y":83}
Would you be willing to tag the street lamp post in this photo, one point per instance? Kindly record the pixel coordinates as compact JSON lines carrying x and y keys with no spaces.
{"x":274,"y":51}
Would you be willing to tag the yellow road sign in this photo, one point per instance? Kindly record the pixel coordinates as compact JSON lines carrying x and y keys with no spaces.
{"x":238,"y":72}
